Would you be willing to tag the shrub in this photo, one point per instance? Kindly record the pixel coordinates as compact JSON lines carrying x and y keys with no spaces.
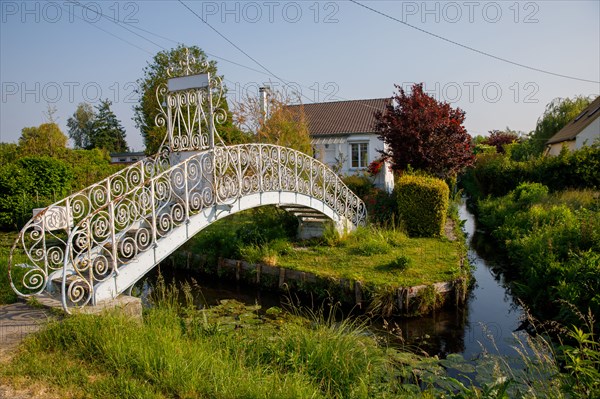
{"x":359,"y":184}
{"x":529,"y":193}
{"x":498,"y":174}
{"x":28,"y":183}
{"x":422,"y":205}
{"x":553,"y":243}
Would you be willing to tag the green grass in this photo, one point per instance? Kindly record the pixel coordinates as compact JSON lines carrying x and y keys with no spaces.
{"x":552,"y":241}
{"x":224,"y":352}
{"x":7,"y":295}
{"x":371,"y":254}
{"x":230,"y":351}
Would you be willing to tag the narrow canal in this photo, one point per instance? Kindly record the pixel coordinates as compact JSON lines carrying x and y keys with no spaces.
{"x":488,"y":322}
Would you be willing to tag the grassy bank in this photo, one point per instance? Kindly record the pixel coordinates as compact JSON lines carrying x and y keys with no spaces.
{"x":552,"y":241}
{"x":230,"y":351}
{"x":226,"y":352}
{"x":377,"y":255}
{"x":383,"y":260}
{"x":7,"y":295}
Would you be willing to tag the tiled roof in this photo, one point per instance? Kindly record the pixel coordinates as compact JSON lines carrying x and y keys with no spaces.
{"x":343,"y":117}
{"x":573,"y":128}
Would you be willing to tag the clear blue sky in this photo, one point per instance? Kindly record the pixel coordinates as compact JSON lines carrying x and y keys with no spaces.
{"x":62,"y":53}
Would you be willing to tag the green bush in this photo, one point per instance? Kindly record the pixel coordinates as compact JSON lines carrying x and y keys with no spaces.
{"x":498,"y":174}
{"x":529,"y":193}
{"x":401,"y":263}
{"x":553,"y":243}
{"x":28,"y":183}
{"x":360,"y":185}
{"x":422,"y":205}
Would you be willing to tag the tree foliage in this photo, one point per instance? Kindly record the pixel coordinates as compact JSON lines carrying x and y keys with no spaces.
{"x":282,"y":124}
{"x":501,"y":138}
{"x":100,"y":128}
{"x":108,"y":133}
{"x":425,"y":134}
{"x":81,"y":126}
{"x":558,"y":113}
{"x":46,"y":139}
{"x":8,"y":153}
{"x":155,"y":74}
{"x":28,"y":183}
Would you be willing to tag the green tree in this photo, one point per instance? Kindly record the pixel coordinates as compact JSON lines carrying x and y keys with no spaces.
{"x":155,"y":74}
{"x":46,"y":139}
{"x":28,"y":183}
{"x":107,"y":131}
{"x":81,"y":126}
{"x":8,"y":153}
{"x":557,"y":114}
{"x":283,"y":124}
{"x":89,"y":166}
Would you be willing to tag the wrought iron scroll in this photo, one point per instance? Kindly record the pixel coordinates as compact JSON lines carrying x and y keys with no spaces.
{"x":149,"y":212}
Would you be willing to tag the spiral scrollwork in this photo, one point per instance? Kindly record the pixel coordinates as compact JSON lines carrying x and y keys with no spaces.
{"x":95,"y":232}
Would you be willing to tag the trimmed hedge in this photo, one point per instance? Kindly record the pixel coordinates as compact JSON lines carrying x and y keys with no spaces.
{"x":422,"y":205}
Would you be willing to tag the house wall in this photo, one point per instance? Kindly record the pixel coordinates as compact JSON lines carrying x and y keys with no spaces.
{"x":338,"y":153}
{"x":556,"y":148}
{"x":588,"y":135}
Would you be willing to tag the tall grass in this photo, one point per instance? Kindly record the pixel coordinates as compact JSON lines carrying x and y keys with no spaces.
{"x":553,"y":242}
{"x":177,"y":351}
{"x":7,"y":295}
{"x":231,"y":351}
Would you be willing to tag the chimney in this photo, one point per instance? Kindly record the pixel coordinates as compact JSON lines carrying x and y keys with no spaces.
{"x":262,"y":100}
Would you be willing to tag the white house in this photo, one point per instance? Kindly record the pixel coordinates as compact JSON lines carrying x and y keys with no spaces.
{"x":343,"y":136}
{"x":583,"y":130}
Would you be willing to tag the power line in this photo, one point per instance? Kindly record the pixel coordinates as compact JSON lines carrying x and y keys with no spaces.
{"x":471,"y":48}
{"x":113,"y":35}
{"x":268,"y":72}
{"x":229,"y":41}
{"x":239,"y":48}
{"x":115,"y":21}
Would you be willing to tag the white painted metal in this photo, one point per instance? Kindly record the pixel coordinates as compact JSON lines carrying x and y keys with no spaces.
{"x":188,"y":82}
{"x":104,"y":238}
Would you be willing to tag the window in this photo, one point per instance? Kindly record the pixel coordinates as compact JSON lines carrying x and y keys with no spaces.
{"x":360,"y":155}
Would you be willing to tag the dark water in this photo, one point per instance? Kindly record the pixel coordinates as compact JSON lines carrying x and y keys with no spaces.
{"x":486,"y":323}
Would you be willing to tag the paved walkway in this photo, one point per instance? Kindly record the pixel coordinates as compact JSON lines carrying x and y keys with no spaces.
{"x":16,"y":322}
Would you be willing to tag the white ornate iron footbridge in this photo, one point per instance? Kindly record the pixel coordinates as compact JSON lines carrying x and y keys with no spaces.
{"x":97,"y":243}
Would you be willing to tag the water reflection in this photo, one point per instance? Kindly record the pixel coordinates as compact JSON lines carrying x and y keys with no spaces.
{"x":485,"y":323}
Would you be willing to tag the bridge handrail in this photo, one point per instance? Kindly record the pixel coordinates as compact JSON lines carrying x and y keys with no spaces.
{"x":212,"y":177}
{"x":41,"y":243}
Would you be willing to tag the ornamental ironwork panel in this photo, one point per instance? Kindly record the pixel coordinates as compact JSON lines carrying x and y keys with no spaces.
{"x":90,"y":236}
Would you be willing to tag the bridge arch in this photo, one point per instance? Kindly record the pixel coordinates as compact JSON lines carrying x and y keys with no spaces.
{"x":96,"y":243}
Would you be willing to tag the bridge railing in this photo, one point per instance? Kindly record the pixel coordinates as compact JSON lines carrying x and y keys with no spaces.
{"x":106,"y":226}
{"x":40,"y":247}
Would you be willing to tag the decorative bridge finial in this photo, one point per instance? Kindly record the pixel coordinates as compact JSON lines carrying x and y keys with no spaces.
{"x":185,"y":64}
{"x":190,"y":104}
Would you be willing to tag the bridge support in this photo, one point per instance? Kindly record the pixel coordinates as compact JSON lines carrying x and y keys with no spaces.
{"x":308,"y":229}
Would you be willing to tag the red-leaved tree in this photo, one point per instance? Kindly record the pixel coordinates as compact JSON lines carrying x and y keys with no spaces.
{"x":424,"y":133}
{"x":499,"y":139}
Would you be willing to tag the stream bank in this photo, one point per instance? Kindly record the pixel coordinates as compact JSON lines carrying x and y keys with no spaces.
{"x":487,"y":321}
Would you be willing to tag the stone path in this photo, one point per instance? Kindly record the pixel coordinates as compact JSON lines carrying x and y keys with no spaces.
{"x":17,"y":321}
